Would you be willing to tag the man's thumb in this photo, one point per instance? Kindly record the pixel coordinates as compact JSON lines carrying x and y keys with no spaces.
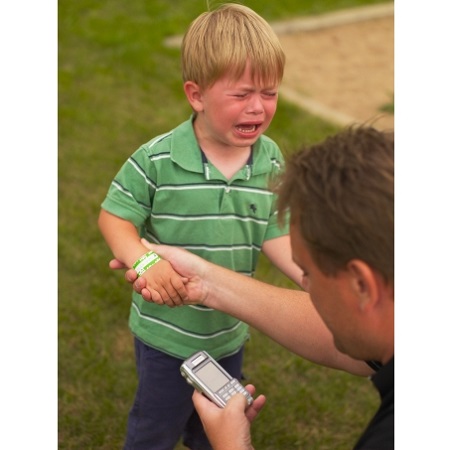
{"x":146,"y":243}
{"x":161,"y":250}
{"x":238,"y":401}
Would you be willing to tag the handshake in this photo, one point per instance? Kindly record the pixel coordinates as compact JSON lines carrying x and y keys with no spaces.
{"x":173,"y":277}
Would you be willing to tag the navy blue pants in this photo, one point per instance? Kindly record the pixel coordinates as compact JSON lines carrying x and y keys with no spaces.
{"x":163,"y":410}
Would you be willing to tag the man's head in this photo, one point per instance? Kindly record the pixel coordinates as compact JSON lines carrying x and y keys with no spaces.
{"x":222,"y":41}
{"x":340,"y":194}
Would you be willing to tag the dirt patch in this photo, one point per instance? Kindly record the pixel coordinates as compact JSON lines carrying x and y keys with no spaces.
{"x":343,"y":73}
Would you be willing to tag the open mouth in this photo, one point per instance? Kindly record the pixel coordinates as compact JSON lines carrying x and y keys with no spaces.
{"x":247,"y":128}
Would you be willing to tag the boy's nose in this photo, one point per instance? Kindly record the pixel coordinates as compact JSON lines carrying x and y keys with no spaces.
{"x":255,"y":106}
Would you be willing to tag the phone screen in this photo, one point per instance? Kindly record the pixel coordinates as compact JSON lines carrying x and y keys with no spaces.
{"x":212,"y":376}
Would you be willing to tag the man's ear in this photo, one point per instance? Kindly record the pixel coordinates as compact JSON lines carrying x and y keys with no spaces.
{"x":194,"y":95}
{"x":363,"y":283}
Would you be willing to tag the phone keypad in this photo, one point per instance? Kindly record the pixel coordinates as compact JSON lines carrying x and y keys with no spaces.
{"x":233,"y":388}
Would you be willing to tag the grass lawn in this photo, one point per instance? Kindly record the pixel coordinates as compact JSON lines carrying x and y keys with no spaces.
{"x":118,"y":87}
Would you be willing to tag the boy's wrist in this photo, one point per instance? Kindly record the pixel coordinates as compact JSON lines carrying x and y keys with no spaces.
{"x":146,"y":261}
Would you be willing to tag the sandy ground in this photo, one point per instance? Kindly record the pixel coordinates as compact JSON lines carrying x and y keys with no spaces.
{"x":344,"y":73}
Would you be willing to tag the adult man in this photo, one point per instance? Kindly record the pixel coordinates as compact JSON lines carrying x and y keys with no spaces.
{"x":340,"y":194}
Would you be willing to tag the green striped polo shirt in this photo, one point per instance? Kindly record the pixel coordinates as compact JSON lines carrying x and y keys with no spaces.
{"x":174,"y":197}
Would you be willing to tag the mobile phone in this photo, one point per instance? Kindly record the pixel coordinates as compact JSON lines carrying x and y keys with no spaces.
{"x":206,"y":375}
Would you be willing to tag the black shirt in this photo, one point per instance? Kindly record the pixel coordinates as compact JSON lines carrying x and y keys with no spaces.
{"x":379,"y":434}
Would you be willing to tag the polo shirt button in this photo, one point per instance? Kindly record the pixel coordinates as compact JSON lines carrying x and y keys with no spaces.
{"x":227,"y":189}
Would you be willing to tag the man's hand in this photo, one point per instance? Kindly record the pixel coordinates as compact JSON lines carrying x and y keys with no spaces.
{"x":115,"y":264}
{"x":229,"y":428}
{"x":189,"y":266}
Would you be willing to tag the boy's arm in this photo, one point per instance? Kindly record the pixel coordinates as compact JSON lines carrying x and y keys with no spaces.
{"x":278,"y":251}
{"x":164,"y":284}
{"x":121,"y":237}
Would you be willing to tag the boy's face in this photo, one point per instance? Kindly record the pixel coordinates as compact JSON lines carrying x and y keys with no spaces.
{"x":233,"y":113}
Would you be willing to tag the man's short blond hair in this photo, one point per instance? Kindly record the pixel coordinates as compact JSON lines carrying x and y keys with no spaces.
{"x":223,"y":40}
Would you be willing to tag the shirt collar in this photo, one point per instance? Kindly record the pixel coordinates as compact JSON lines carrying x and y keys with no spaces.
{"x":186,"y":152}
{"x":384,"y":378}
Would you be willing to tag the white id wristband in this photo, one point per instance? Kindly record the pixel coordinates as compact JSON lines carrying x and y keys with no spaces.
{"x":145,"y":262}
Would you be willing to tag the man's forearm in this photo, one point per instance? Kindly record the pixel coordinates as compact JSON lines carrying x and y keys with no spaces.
{"x":285,"y":315}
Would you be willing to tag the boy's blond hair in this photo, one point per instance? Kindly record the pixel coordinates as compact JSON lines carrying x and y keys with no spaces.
{"x":221,"y":42}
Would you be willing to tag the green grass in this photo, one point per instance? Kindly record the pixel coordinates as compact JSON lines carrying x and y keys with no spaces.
{"x":388,"y":107}
{"x":118,"y":87}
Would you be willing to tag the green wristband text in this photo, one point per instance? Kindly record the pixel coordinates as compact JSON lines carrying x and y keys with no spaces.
{"x":145,"y":262}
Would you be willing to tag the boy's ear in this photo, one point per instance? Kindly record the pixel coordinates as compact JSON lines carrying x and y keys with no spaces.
{"x":194,"y":95}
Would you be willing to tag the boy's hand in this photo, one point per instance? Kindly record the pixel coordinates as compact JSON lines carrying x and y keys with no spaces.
{"x":165,"y":286}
